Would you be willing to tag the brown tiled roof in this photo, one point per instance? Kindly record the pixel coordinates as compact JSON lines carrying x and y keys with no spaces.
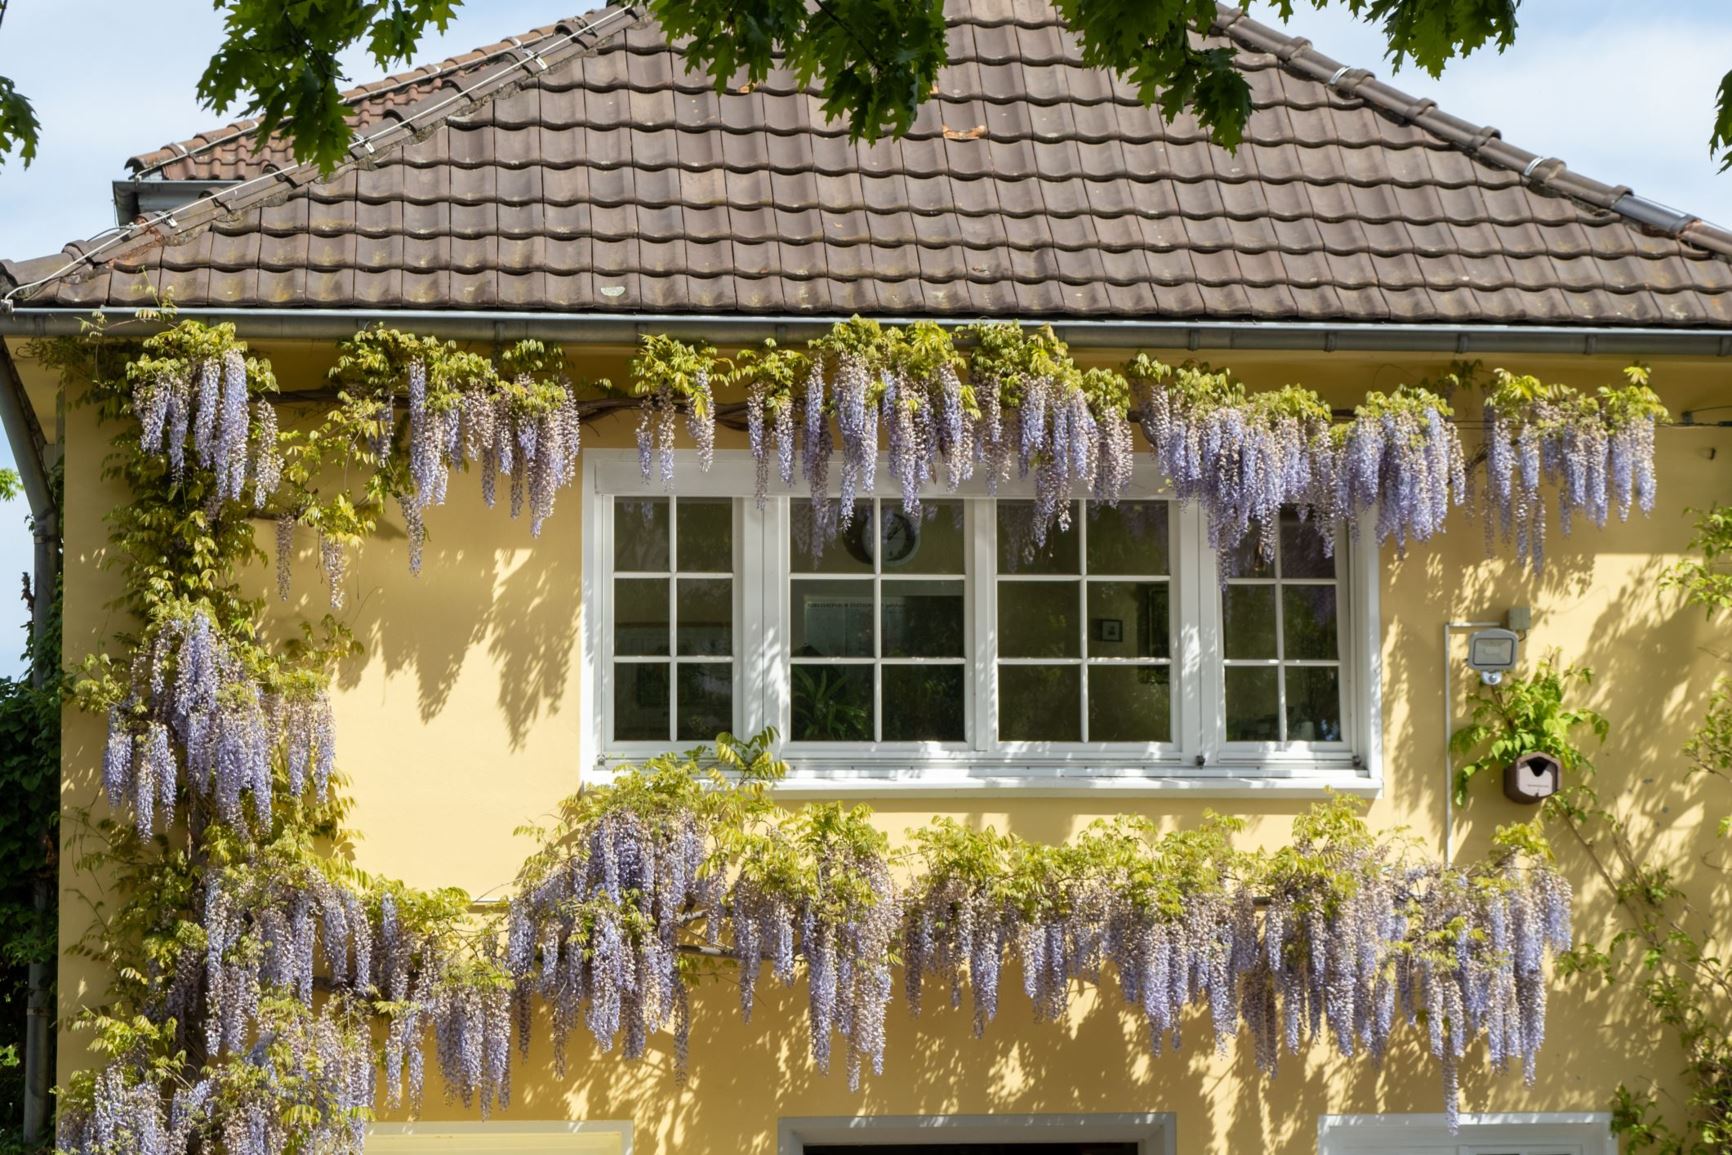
{"x":233,"y":152}
{"x":585,"y":170}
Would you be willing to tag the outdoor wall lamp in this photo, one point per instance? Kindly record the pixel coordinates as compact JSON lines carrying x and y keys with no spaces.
{"x":1492,"y":653}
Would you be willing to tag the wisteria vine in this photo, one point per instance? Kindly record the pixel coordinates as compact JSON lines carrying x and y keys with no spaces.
{"x":254,"y":972}
{"x":1338,"y":938}
{"x":993,"y":400}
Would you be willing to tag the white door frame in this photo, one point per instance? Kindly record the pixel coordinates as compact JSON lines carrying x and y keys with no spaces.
{"x":1153,"y":1133}
{"x":1572,"y":1132}
{"x":518,"y":1137}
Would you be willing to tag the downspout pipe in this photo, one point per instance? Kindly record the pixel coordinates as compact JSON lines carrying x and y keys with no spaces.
{"x":29,"y":450}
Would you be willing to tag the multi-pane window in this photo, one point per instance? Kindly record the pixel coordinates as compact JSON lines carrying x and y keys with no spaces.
{"x":673,"y":618}
{"x":951,"y":638}
{"x":1281,"y":640}
{"x":1085,"y":626}
{"x":879,"y":625}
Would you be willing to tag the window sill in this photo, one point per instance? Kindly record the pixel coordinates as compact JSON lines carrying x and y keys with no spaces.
{"x":1070,"y":781}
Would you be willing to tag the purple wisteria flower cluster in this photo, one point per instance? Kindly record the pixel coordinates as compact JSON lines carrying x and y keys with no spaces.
{"x":276,"y":928}
{"x":1244,"y":456}
{"x":1596,"y":451}
{"x":194,"y":389}
{"x":670,"y":375}
{"x":193,"y":718}
{"x":1336,"y":940}
{"x":937,"y":417}
{"x":598,"y":936}
{"x":306,"y":1084}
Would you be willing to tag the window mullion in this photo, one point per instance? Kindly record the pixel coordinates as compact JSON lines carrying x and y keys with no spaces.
{"x":775,"y":649}
{"x":1280,"y":645}
{"x":982,"y":521}
{"x":875,"y":539}
{"x":672,"y":620}
{"x":1203,"y":685}
{"x":749,"y":613}
{"x":1082,"y":594}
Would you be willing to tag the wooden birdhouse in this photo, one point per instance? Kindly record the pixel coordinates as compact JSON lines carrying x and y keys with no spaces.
{"x":1533,"y":777}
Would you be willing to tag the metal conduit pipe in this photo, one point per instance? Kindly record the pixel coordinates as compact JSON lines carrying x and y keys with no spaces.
{"x":1450,"y":629}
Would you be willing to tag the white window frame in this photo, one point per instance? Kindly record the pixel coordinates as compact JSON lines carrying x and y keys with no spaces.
{"x":1507,"y":1133}
{"x":585,"y":1137}
{"x":1199,"y":761}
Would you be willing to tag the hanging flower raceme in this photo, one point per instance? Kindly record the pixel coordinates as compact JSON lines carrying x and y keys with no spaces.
{"x":597,"y":925}
{"x":848,"y":919}
{"x":196,"y":382}
{"x":860,"y":391}
{"x":191,"y":714}
{"x":1400,"y":455}
{"x":769,"y":377}
{"x":1337,"y":940}
{"x":1042,"y":415}
{"x":1595,"y":450}
{"x":516,"y":417}
{"x":670,"y":375}
{"x":1156,"y":909}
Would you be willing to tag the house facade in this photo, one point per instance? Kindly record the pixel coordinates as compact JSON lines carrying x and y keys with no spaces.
{"x":575,"y":186}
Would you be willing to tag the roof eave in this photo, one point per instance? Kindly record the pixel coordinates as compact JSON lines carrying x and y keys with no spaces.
{"x":1113,"y":333}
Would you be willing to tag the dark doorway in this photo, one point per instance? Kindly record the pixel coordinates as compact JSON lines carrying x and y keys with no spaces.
{"x":980,"y":1149}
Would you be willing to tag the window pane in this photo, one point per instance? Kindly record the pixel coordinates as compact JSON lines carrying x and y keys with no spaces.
{"x":832,"y":703}
{"x":1245,"y":560}
{"x":640,"y":534}
{"x":640,"y":701}
{"x":1017,"y":550}
{"x":1308,"y":621}
{"x":640,"y":616}
{"x":924,"y":704}
{"x":832,"y":619}
{"x":706,"y":534}
{"x":706,"y":614}
{"x":1253,"y":704}
{"x":1131,"y":539}
{"x":706,"y":700}
{"x":939,"y":544}
{"x":922,"y":619}
{"x":1302,"y":544}
{"x":1040,"y":703}
{"x":1248,"y":621}
{"x":1313,"y":704}
{"x":1038,"y":619}
{"x":1129,"y":620}
{"x":1130,"y":704}
{"x":811,"y":551}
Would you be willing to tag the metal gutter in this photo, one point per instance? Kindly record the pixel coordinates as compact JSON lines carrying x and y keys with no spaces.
{"x":626,"y":328}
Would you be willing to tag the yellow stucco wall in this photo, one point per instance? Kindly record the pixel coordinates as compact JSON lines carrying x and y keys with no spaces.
{"x":462,"y":719}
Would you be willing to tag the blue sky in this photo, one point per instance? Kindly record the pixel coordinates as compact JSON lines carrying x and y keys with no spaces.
{"x":1622,"y":92}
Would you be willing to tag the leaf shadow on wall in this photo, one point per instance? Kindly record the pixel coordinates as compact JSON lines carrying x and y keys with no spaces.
{"x":1655,"y":661}
{"x":486,"y":587}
